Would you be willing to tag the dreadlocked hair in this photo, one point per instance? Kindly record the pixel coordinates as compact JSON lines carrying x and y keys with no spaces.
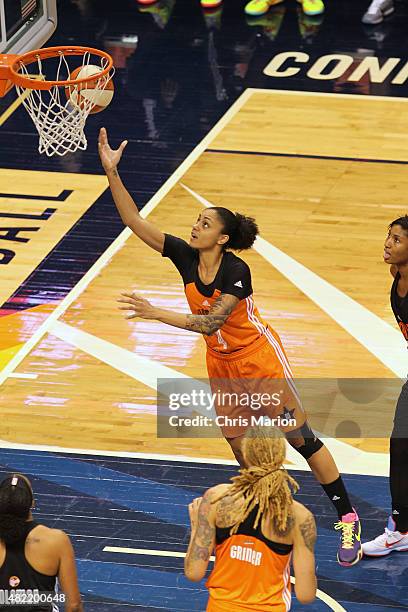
{"x":264,"y":483}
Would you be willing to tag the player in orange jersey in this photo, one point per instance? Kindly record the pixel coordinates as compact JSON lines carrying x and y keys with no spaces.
{"x":255,"y":527}
{"x":243,"y":352}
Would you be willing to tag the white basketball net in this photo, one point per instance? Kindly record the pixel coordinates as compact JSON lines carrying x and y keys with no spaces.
{"x":60,"y":123}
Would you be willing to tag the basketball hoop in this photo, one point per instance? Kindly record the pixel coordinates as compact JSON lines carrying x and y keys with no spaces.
{"x":43,"y":82}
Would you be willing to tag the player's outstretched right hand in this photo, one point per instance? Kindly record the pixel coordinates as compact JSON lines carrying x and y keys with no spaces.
{"x":109,"y":157}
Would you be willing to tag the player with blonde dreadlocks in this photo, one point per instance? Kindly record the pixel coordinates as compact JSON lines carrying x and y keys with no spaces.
{"x":264,"y":484}
{"x":255,"y":527}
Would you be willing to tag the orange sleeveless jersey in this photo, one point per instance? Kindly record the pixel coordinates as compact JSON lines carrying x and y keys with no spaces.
{"x":249,"y":575}
{"x":244,"y":325}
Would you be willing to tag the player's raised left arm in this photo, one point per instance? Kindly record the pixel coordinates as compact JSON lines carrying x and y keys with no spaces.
{"x":203,"y":324}
{"x":143,"y":228}
{"x":202,"y":538}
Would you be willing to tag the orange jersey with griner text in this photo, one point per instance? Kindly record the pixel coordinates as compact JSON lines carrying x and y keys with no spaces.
{"x":251,"y":572}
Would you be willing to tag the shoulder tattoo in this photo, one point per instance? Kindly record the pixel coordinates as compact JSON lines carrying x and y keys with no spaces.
{"x":308,"y":531}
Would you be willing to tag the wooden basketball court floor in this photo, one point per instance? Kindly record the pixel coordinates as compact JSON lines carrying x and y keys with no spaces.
{"x":323,"y":177}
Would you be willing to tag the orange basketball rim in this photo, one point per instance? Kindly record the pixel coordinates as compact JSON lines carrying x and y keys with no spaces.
{"x":40,"y":78}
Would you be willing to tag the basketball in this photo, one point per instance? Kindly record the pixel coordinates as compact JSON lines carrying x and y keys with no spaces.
{"x":89,"y":92}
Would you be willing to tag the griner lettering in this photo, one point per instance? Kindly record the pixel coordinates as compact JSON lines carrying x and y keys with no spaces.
{"x":243,"y":553}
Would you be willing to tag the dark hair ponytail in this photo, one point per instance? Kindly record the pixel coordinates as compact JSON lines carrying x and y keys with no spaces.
{"x":16,"y":499}
{"x":241,"y":230}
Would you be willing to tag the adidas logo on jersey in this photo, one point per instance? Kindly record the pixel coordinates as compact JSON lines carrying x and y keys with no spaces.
{"x":238,"y":284}
{"x":242,"y":553}
{"x":335,"y":498}
{"x":395,"y":512}
{"x":205,"y":303}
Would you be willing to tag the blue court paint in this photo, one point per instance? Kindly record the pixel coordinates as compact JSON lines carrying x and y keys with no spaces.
{"x":165,"y":502}
{"x":103,"y":501}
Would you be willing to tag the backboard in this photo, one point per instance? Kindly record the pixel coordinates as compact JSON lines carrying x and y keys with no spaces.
{"x":26,"y":24}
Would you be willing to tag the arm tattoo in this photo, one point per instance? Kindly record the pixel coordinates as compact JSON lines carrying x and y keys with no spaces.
{"x":203,"y":541}
{"x":308,"y":531}
{"x":210,"y":323}
{"x":204,"y":534}
{"x":291,"y":523}
{"x":199,"y":553}
{"x":205,"y":324}
{"x":289,"y":526}
{"x":228,"y":511}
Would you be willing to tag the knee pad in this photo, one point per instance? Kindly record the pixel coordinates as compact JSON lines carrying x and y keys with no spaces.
{"x":304,"y":441}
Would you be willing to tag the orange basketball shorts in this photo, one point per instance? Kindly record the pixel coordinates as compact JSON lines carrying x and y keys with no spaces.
{"x":253,"y":382}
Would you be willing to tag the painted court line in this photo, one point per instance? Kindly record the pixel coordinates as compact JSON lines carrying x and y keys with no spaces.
{"x":349,"y":459}
{"x":146,"y":371}
{"x":149,"y":553}
{"x":329,"y":601}
{"x":321,"y":94}
{"x":120,"y":241}
{"x":142,"y":369}
{"x":359,"y":160}
{"x":120,"y":454}
{"x":377,"y":336}
{"x":370,"y":464}
{"x":293,"y":459}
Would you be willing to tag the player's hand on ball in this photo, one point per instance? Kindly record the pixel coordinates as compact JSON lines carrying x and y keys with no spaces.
{"x":193,"y":511}
{"x":109,"y":157}
{"x":138,"y":306}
